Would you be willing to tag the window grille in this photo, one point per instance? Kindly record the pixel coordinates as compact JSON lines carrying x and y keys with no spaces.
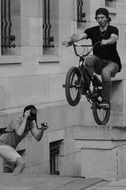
{"x":80,"y":14}
{"x":47,"y":38}
{"x":6,"y":25}
{"x":54,"y":154}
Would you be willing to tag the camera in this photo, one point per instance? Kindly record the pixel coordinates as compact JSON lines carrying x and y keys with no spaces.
{"x":33,"y":115}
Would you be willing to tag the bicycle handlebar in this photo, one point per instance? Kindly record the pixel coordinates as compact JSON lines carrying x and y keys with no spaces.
{"x":80,"y":45}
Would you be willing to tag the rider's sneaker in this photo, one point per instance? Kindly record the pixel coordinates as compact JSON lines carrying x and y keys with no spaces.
{"x":83,"y":92}
{"x":104,"y":104}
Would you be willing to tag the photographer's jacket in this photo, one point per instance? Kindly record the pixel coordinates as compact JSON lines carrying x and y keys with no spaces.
{"x":11,"y":138}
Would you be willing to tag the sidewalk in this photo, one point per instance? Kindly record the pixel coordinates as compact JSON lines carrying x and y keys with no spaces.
{"x":22,"y":182}
{"x":114,"y":185}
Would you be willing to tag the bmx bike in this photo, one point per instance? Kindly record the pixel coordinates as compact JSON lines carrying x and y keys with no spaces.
{"x":80,"y":82}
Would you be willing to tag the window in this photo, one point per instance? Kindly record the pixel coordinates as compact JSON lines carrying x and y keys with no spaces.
{"x":9,"y":26}
{"x":50,"y":27}
{"x":80,"y":11}
{"x":47,"y":38}
{"x":54,"y":155}
{"x":110,"y":3}
{"x":7,"y":38}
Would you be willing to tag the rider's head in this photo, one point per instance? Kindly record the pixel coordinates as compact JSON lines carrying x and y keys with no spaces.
{"x":102,"y":11}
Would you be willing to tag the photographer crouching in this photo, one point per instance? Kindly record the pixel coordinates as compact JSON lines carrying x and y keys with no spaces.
{"x":12,"y":135}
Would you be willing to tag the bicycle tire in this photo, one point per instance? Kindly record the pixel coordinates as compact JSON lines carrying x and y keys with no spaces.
{"x":103,"y":117}
{"x":70,"y":84}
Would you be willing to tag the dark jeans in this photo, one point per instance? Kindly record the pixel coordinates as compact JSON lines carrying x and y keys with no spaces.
{"x":106,"y":69}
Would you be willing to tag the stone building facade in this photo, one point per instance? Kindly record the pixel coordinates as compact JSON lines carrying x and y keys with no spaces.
{"x":33,"y":66}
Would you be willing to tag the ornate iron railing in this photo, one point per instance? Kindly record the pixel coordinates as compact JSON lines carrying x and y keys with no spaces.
{"x":80,"y":14}
{"x":6,"y":25}
{"x":47,"y":38}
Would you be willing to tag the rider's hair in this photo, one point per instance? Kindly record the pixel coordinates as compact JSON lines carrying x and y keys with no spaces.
{"x":102,"y":11}
{"x":29,"y":107}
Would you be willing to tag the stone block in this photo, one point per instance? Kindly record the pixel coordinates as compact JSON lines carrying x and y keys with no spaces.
{"x":99,"y":163}
{"x":122,"y":162}
{"x":105,"y":159}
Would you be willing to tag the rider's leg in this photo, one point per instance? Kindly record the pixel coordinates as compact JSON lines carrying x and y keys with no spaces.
{"x":94,"y":64}
{"x":91,"y":64}
{"x":10,"y":155}
{"x":107,"y":72}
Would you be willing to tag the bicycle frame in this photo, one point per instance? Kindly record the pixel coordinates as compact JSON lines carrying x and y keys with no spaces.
{"x":83,"y":70}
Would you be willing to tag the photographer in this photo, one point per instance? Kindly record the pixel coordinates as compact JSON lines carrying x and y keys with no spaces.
{"x":12,"y":136}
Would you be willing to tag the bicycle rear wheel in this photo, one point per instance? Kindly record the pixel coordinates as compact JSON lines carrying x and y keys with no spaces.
{"x":101,"y":115}
{"x":73,"y":86}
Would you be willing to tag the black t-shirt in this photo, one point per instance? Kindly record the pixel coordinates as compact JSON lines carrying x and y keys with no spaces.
{"x":108,"y":52}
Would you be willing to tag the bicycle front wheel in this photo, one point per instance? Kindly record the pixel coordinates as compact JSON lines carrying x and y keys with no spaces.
{"x":73,"y":86}
{"x":101,"y":115}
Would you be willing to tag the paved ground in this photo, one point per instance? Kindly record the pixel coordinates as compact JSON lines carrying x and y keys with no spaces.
{"x":10,"y":182}
{"x":114,"y":185}
{"x":22,"y":182}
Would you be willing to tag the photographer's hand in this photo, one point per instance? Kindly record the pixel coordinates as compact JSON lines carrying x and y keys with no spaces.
{"x":44,"y":126}
{"x":38,"y":132}
{"x":21,"y":128}
{"x":27,"y":114}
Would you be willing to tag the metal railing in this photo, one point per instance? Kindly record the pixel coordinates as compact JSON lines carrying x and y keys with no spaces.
{"x":47,"y":38}
{"x":6,"y":25}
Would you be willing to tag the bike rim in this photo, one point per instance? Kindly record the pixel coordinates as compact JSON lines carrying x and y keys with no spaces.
{"x":74,"y":86}
{"x":101,"y":115}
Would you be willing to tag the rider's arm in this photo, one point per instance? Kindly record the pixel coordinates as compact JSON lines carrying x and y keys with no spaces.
{"x":113,"y":39}
{"x":78,"y":37}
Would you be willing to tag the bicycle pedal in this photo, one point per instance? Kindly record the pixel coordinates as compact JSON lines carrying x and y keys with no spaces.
{"x":64,"y":85}
{"x":105,"y":107}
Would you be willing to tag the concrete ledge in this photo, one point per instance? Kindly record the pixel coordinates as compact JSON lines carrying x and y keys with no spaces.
{"x":99,"y":132}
